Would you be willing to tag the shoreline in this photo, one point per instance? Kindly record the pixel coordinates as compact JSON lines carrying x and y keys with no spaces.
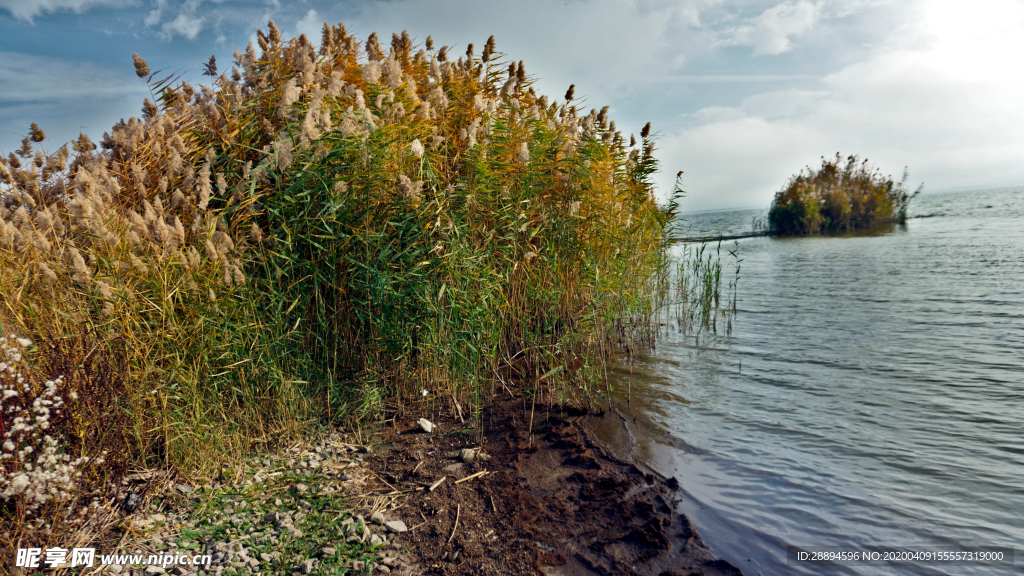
{"x":404,"y":501}
{"x":564,"y":505}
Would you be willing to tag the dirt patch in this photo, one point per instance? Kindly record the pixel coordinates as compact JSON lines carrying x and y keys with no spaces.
{"x":560,"y":504}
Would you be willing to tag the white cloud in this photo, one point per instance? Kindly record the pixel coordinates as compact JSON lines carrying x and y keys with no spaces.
{"x":184,"y":25}
{"x":770,"y":32}
{"x":939,"y":97}
{"x":153,"y":18}
{"x":29,"y":9}
{"x":37,"y":79}
{"x":63,"y":96}
{"x":311,"y":24}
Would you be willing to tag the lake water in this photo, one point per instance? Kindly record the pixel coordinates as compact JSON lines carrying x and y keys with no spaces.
{"x":872,"y":392}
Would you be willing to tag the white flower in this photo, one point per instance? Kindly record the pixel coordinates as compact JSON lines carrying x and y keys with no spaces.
{"x":417,"y":148}
{"x":524,"y":153}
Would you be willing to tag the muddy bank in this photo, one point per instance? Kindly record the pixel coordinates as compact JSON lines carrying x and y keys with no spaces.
{"x":556,"y":504}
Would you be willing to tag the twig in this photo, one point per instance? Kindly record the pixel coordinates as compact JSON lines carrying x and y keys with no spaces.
{"x":458,"y":510}
{"x":438,"y":483}
{"x":493,"y":507}
{"x":471,"y":476}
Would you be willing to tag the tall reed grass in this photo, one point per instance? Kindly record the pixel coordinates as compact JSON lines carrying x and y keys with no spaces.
{"x":323,"y":234}
{"x":841,"y":196}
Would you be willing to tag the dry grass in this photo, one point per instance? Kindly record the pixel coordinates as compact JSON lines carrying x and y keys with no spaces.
{"x":326,"y":235}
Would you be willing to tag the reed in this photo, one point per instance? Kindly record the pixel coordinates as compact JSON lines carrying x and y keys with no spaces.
{"x":325,"y":234}
{"x":841,"y":196}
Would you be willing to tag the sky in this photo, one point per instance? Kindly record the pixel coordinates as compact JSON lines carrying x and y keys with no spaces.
{"x":741,"y":94}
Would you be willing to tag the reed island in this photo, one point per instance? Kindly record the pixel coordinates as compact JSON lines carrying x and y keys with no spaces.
{"x":843,"y":195}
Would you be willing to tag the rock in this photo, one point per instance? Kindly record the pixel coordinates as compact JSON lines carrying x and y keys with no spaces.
{"x":278,"y":502}
{"x":383,"y":569}
{"x":328,"y":551}
{"x":347,"y":522}
{"x":299,"y":489}
{"x":425,"y":425}
{"x":307,"y":566}
{"x":150,"y":570}
{"x":264,"y":557}
{"x":467,"y":455}
{"x":180,"y":570}
{"x":305,"y":505}
{"x":296,"y":533}
{"x":131,"y":502}
{"x":376,"y":540}
{"x":115,"y":568}
{"x":377,"y":518}
{"x":358,"y":566}
{"x":253,"y":563}
{"x":184,"y":489}
{"x":272,"y":518}
{"x":353,"y":539}
{"x":396,"y":526}
{"x":346,"y":477}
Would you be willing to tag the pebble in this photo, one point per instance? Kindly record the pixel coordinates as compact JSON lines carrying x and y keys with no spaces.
{"x":377,"y":518}
{"x":115,"y":568}
{"x":467,"y":455}
{"x":154,"y":570}
{"x":300,"y":488}
{"x":264,"y":557}
{"x":425,"y":425}
{"x":183,"y":488}
{"x":328,"y":551}
{"x":383,"y":569}
{"x":396,"y":526}
{"x":358,"y":566}
{"x":376,"y":540}
{"x":307,"y":566}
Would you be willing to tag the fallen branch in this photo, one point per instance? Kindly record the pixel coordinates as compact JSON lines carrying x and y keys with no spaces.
{"x":458,"y":510}
{"x":471,"y":476}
